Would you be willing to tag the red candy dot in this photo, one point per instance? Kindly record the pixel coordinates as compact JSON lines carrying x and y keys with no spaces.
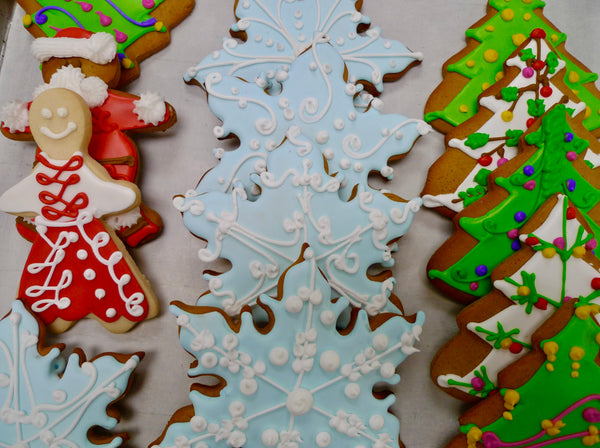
{"x":532,"y":241}
{"x":530,"y":122}
{"x":538,"y":65}
{"x":485,"y":160}
{"x":570,"y":213}
{"x":515,"y":348}
{"x":596,"y":283}
{"x":546,"y":91}
{"x":541,"y":304}
{"x":538,"y":33}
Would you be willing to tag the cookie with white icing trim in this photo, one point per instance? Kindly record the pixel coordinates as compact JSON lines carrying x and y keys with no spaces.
{"x":77,"y":266}
{"x":140,"y":29}
{"x":556,"y":264}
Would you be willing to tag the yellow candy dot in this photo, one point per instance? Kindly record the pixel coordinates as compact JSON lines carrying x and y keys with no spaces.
{"x":518,"y":39}
{"x":507,"y":415}
{"x":463,"y":108}
{"x":490,"y":55}
{"x":526,"y":1}
{"x":507,"y":115}
{"x":550,"y":348}
{"x":527,"y":17}
{"x":507,"y":15}
{"x":505,"y":344}
{"x":474,"y":434}
{"x":549,"y":367}
{"x":523,"y":291}
{"x":583,"y":312}
{"x":549,"y":252}
{"x":579,"y":252}
{"x":573,"y":76}
{"x":499,"y":76}
{"x":126,"y":63}
{"x":490,"y":28}
{"x":27,"y":21}
{"x":486,"y":85}
{"x":575,"y":366}
{"x":575,"y":374}
{"x":470,"y":63}
{"x":554,"y":38}
{"x":588,"y":112}
{"x":576,"y":353}
{"x":598,"y":338}
{"x":158,"y":26}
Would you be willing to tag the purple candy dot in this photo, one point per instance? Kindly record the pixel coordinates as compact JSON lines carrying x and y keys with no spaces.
{"x":571,"y":156}
{"x":491,"y":440}
{"x":571,"y":184}
{"x":528,"y":72}
{"x":513,"y":234}
{"x":567,"y":298}
{"x":148,"y":4}
{"x":528,"y":170}
{"x":481,"y":270}
{"x":559,"y":242}
{"x":520,"y":216}
{"x":516,"y":245}
{"x":569,"y":137}
{"x":502,"y":161}
{"x":477,"y":383}
{"x":591,"y":415}
{"x":474,"y":286}
{"x":591,"y":244}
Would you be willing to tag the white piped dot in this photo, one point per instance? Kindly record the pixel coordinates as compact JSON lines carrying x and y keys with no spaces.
{"x":209,"y":360}
{"x":111,"y":312}
{"x":89,"y":274}
{"x":100,"y":293}
{"x":377,"y":422}
{"x":323,"y":439}
{"x":330,"y":361}
{"x":279,"y":356}
{"x":352,"y":391}
{"x":380,"y":342}
{"x":327,"y":318}
{"x":82,"y":254}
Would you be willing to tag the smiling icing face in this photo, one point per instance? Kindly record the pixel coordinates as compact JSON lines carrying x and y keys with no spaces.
{"x":60,"y":122}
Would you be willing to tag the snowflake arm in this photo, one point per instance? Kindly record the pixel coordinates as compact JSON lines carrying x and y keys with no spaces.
{"x":44,"y":402}
{"x":275,"y":32}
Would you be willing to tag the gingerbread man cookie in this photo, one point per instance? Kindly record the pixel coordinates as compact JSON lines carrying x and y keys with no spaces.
{"x":77,"y":267}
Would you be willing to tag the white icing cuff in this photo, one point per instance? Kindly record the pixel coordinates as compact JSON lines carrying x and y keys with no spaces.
{"x":15,"y":116}
{"x":100,"y":48}
{"x":150,"y":108}
{"x":127,"y":219}
{"x":92,"y":89}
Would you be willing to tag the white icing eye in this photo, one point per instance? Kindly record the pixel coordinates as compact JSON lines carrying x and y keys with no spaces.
{"x":46,"y":113}
{"x":62,"y":112}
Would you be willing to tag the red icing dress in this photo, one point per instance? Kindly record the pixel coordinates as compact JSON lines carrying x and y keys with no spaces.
{"x":74,"y":267}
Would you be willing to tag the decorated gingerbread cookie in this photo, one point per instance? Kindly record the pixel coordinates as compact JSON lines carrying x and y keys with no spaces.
{"x":555,"y":265}
{"x":531,"y":85}
{"x":298,"y":204}
{"x":48,"y":401}
{"x":77,"y":267}
{"x":297,"y":381}
{"x":557,"y":157}
{"x":274,"y":33}
{"x":315,"y":106}
{"x":490,"y":41}
{"x":548,"y":398}
{"x":140,"y":27}
{"x":116,"y":116}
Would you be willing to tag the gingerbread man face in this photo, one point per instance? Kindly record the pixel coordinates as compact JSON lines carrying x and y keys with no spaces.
{"x":61,"y":123}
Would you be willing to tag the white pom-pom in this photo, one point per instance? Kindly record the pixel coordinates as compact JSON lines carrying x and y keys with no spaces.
{"x":15,"y":116}
{"x":150,"y":108}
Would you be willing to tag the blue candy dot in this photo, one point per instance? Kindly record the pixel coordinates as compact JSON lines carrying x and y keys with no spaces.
{"x":516,"y":245}
{"x":528,"y":170}
{"x":568,"y":137}
{"x":481,"y":270}
{"x":571,"y":184}
{"x":520,"y":216}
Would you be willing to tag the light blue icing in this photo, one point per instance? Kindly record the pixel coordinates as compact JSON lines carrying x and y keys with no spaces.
{"x":279,"y":30}
{"x":301,"y":383}
{"x":316,"y":105}
{"x":299,"y":203}
{"x":41,"y":408}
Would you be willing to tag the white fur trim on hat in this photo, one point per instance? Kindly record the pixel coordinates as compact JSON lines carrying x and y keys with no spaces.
{"x":92,"y":89}
{"x":15,"y":116}
{"x":150,"y":108}
{"x":100,"y":48}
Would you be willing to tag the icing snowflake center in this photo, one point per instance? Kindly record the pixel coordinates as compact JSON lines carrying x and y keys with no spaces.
{"x":299,"y":402}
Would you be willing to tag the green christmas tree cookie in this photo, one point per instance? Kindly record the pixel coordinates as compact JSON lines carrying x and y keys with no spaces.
{"x":479,"y":65}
